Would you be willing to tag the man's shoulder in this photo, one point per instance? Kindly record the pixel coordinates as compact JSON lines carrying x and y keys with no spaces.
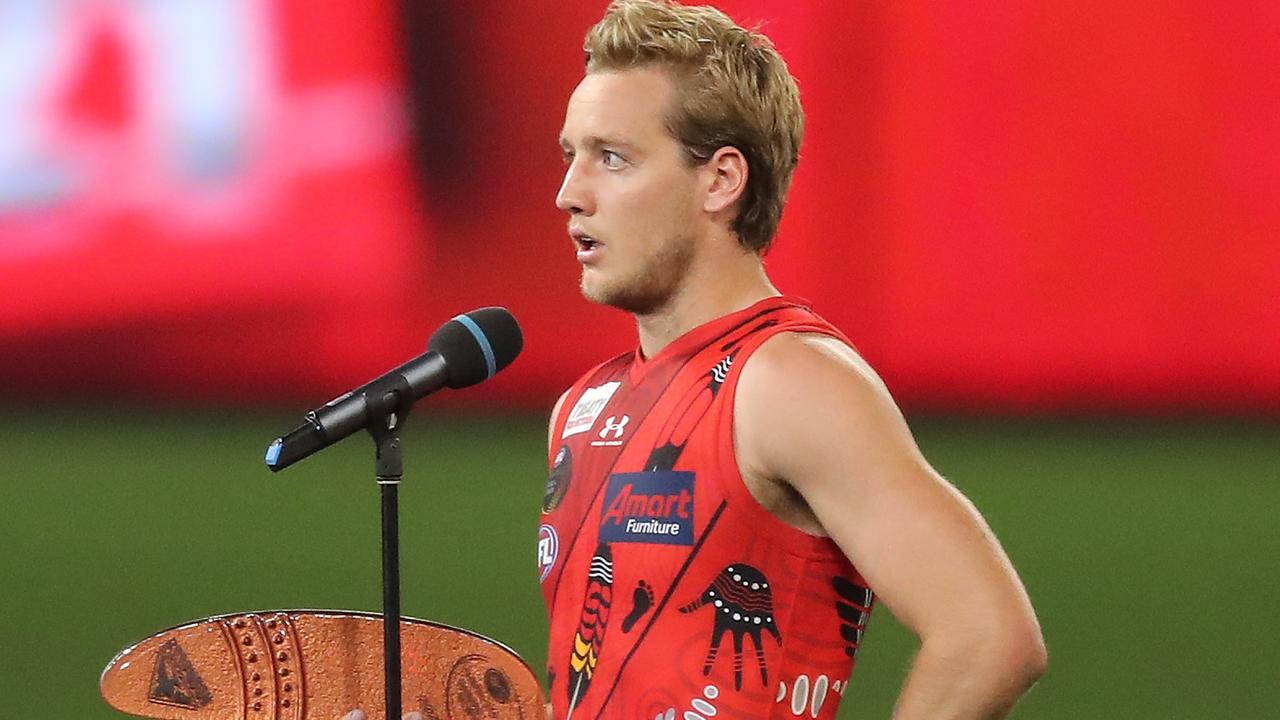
{"x":582,"y":387}
{"x":792,"y":361}
{"x":808,"y":395}
{"x":598,"y":374}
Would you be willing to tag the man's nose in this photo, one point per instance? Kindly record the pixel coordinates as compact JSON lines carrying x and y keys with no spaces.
{"x":575,"y":196}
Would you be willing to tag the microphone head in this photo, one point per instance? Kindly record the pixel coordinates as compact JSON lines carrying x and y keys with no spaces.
{"x":475,"y":346}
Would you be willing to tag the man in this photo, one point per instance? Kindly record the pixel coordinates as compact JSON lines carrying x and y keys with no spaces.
{"x":724,"y":500}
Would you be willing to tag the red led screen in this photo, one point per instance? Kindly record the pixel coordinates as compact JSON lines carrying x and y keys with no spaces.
{"x":1015,"y":209}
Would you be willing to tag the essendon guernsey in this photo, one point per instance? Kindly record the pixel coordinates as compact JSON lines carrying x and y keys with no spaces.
{"x":672,"y":594}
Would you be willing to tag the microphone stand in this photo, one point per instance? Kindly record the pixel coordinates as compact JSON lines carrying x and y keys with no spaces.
{"x":390,"y":468}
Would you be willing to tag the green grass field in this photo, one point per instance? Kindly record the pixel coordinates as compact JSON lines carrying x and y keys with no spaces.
{"x":1151,"y":550}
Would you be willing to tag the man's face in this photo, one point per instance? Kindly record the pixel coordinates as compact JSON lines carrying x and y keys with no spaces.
{"x":633,"y":200}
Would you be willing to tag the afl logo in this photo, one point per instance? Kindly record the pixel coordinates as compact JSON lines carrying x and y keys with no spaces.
{"x":548,"y":549}
{"x":558,"y":481}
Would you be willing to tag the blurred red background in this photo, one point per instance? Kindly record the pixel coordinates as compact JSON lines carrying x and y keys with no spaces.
{"x":1010,"y":209}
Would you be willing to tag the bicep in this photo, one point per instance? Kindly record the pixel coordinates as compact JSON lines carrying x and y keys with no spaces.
{"x":551,"y":424}
{"x":835,"y":435}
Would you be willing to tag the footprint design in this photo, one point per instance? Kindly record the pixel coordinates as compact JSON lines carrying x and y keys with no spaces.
{"x":641,"y":601}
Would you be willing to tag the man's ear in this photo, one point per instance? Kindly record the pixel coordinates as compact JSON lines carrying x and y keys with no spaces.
{"x":728,"y":178}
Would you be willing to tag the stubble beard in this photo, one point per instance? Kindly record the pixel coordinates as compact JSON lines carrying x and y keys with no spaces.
{"x":651,"y":284}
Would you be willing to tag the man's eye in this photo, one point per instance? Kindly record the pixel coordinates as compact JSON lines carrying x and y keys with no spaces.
{"x":613,"y":160}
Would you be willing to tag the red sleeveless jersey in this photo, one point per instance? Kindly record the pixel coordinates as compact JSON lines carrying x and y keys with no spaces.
{"x":672,"y":594}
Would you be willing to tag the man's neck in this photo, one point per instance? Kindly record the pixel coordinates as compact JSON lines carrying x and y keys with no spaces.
{"x":731,"y":286}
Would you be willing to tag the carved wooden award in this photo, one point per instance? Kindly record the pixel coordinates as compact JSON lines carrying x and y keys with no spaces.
{"x":317,"y":665}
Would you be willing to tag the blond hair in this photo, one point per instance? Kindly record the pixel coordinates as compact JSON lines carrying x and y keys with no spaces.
{"x":732,"y":89}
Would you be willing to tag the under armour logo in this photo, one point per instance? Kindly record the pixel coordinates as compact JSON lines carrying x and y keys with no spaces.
{"x":617,"y":428}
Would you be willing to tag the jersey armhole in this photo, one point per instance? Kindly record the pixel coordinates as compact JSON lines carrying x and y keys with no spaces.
{"x":778,"y":531}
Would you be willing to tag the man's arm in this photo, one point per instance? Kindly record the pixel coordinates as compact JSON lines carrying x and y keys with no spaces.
{"x":551,"y":425}
{"x":551,"y":443}
{"x":811,"y":414}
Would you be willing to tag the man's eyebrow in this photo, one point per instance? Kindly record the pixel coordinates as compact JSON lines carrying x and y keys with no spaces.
{"x":595,"y":142}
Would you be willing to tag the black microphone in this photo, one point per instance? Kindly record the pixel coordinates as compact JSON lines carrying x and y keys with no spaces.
{"x":467,"y":350}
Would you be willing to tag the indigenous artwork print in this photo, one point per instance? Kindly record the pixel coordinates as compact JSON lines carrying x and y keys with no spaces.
{"x":854,"y":608}
{"x":589,"y":638}
{"x":743,"y":605}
